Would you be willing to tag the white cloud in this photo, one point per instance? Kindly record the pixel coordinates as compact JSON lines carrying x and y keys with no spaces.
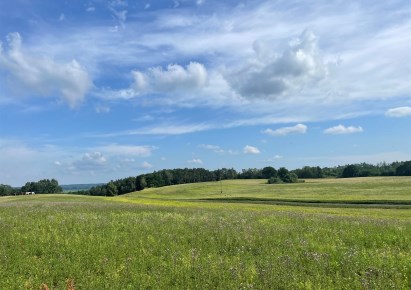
{"x":62,"y":17}
{"x":68,"y":164}
{"x":398,"y":112}
{"x":122,"y":94}
{"x":102,"y":109}
{"x":91,"y":9}
{"x":297,"y":129}
{"x":178,"y":129}
{"x":174,"y":78}
{"x":340,"y":129}
{"x":118,"y":12}
{"x":195,"y":161}
{"x":144,"y":118}
{"x":295,"y":76}
{"x":110,"y":159}
{"x":271,"y":75}
{"x":251,"y":150}
{"x":39,"y":75}
{"x":147,"y":6}
{"x":146,"y":165}
{"x":17,"y":158}
{"x":95,"y":158}
{"x":274,"y":159}
{"x":127,"y":150}
{"x":89,"y":161}
{"x":214,"y":148}
{"x":165,"y":129}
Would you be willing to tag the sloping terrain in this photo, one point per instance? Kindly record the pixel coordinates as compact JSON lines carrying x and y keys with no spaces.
{"x":177,"y":238}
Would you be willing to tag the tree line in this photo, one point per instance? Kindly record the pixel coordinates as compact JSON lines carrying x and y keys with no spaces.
{"x":167,"y":177}
{"x":41,"y":186}
{"x":282,"y":175}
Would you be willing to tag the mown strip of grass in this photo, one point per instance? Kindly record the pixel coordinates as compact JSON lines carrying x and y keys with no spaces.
{"x":335,"y":203}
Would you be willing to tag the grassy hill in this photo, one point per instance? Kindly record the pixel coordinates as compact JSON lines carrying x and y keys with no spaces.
{"x":347,"y":190}
{"x":192,"y":236}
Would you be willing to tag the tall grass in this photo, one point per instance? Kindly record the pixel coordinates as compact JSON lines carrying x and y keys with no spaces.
{"x":109,"y":245}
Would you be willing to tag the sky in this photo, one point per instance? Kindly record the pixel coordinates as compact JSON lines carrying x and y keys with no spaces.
{"x":93,"y":91}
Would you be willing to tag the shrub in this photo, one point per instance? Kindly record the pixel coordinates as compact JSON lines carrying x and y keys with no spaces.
{"x":274,"y":180}
{"x":286,"y":177}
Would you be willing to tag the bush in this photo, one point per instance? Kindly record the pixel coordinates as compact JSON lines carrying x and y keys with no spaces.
{"x":274,"y":180}
{"x":285,"y":177}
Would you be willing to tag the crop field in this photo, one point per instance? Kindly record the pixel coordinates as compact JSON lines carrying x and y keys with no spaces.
{"x":321,"y":234}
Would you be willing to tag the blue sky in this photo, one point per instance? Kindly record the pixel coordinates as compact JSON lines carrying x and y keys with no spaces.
{"x":97,"y":90}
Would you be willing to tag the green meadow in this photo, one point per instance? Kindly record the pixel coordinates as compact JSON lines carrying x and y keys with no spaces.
{"x":320,"y":234}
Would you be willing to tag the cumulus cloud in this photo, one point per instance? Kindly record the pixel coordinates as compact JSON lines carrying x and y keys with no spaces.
{"x":340,"y":129}
{"x":41,"y":75}
{"x":250,"y":150}
{"x":297,"y":129}
{"x":271,"y":75}
{"x":173,"y":78}
{"x":398,"y":112}
{"x":90,"y":161}
{"x":110,"y":158}
{"x":195,"y":161}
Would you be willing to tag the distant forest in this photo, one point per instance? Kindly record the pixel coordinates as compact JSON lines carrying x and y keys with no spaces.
{"x":180,"y":176}
{"x":282,"y":175}
{"x":78,"y":187}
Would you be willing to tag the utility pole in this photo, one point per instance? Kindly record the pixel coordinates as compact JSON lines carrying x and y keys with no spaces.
{"x":221,"y":183}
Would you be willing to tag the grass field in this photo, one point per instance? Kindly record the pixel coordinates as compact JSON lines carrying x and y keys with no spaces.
{"x":253,"y":236}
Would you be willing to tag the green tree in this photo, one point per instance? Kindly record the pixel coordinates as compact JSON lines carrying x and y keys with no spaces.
{"x":111,"y":189}
{"x":43,"y":186}
{"x":6,"y":190}
{"x":404,"y":169}
{"x":350,"y":171}
{"x":141,"y":182}
{"x":282,"y":173}
{"x":269,"y":172}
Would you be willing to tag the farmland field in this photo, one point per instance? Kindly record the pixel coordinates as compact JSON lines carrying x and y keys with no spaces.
{"x":321,"y":234}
